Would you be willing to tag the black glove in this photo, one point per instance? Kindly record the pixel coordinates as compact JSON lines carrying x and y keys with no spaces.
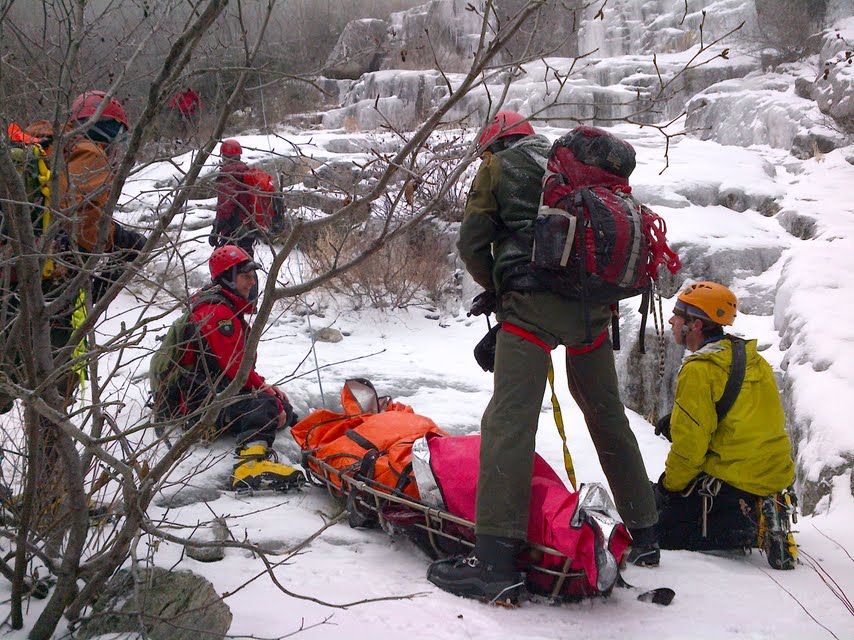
{"x":291,"y":417}
{"x":483,"y":304}
{"x":125,"y":238}
{"x":662,"y":495}
{"x":213,"y":238}
{"x":662,"y":427}
{"x":484,"y":352}
{"x":130,"y":242}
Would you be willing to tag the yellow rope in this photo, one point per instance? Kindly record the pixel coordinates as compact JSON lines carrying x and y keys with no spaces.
{"x":558,"y":415}
{"x":78,"y":317}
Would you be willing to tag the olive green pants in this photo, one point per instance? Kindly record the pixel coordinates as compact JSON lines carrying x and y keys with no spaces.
{"x":509,"y":424}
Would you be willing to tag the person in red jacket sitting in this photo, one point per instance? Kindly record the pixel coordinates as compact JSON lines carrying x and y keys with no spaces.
{"x":254,"y":415}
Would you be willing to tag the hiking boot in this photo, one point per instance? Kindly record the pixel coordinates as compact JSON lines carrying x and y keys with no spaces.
{"x":776,"y":537}
{"x":258,"y":468}
{"x":644,"y":551}
{"x":489,"y":574}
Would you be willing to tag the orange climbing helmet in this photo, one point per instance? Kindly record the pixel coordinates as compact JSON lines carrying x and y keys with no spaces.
{"x":708,"y":301}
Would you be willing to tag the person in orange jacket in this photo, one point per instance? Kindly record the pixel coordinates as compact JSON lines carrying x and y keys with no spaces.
{"x":85,"y":178}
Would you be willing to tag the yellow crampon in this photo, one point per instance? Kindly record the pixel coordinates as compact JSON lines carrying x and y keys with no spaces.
{"x":775,"y":532}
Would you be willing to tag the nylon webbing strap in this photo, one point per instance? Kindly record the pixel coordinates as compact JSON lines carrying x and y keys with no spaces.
{"x":558,"y":415}
{"x":735,"y":379}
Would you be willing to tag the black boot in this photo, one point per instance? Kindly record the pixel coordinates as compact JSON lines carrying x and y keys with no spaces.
{"x":645,"y":551}
{"x":489,"y":574}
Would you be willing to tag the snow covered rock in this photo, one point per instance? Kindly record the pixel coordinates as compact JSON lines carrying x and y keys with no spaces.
{"x":442,"y":34}
{"x":833,"y":90}
{"x":744,"y":111}
{"x":358,"y":50}
{"x":178,"y":605}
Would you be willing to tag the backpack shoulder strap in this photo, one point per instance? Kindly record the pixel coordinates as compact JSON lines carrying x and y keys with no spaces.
{"x":736,"y":377}
{"x":208,"y":296}
{"x":212,"y":295}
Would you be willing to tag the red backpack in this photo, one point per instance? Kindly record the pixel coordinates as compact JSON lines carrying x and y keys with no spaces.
{"x":592,"y":240}
{"x":262,"y":188}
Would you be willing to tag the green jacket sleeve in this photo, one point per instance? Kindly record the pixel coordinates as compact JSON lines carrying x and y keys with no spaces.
{"x":692,"y":424}
{"x":478,"y":229}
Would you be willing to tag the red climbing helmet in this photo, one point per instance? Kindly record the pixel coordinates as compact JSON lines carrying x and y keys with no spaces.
{"x":87,"y":104}
{"x":230,"y":147}
{"x":228,"y":256}
{"x":505,"y":123}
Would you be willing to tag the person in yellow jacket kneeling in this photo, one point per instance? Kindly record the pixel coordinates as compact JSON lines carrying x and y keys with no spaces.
{"x":726,"y":481}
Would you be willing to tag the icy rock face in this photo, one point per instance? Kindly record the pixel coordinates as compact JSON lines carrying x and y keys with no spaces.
{"x":761,"y":109}
{"x":595,"y":90}
{"x":443,"y":34}
{"x":659,"y":26}
{"x":359,"y":49}
{"x":551,"y":30}
{"x":399,"y":99}
{"x":815,"y":369}
{"x":701,"y":262}
{"x":833,"y":90}
{"x":647,"y":380}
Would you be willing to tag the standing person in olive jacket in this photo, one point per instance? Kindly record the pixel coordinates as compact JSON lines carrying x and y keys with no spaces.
{"x":721,"y":467}
{"x":496,"y":235}
{"x":234,"y":222}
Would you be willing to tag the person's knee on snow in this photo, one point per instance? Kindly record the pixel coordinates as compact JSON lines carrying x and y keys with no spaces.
{"x":716,"y":503}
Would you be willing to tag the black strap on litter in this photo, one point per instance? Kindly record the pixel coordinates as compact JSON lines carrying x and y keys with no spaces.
{"x":360,"y":440}
{"x":368,"y":465}
{"x":404,"y":477}
{"x":735,"y":379}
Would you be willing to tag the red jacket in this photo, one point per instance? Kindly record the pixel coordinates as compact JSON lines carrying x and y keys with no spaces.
{"x":233,"y":197}
{"x":186,"y":102}
{"x":224,"y":329}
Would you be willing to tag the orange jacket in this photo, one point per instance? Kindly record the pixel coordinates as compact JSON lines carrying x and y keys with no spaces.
{"x":84,"y":186}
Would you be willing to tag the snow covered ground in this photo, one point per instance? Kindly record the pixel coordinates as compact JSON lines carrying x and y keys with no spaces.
{"x":428,"y":364}
{"x":423,"y":357}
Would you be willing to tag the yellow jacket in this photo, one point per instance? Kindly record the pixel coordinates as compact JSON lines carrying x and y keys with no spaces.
{"x":749,"y":448}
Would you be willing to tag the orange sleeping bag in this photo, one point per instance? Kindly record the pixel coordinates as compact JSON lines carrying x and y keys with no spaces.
{"x":372,"y":439}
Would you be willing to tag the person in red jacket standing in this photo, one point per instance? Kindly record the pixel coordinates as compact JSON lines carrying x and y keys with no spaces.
{"x":254,"y":415}
{"x":186,"y":105}
{"x":234,"y":222}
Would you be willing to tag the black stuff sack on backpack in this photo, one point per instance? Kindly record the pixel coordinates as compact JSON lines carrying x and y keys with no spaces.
{"x":592,"y":240}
